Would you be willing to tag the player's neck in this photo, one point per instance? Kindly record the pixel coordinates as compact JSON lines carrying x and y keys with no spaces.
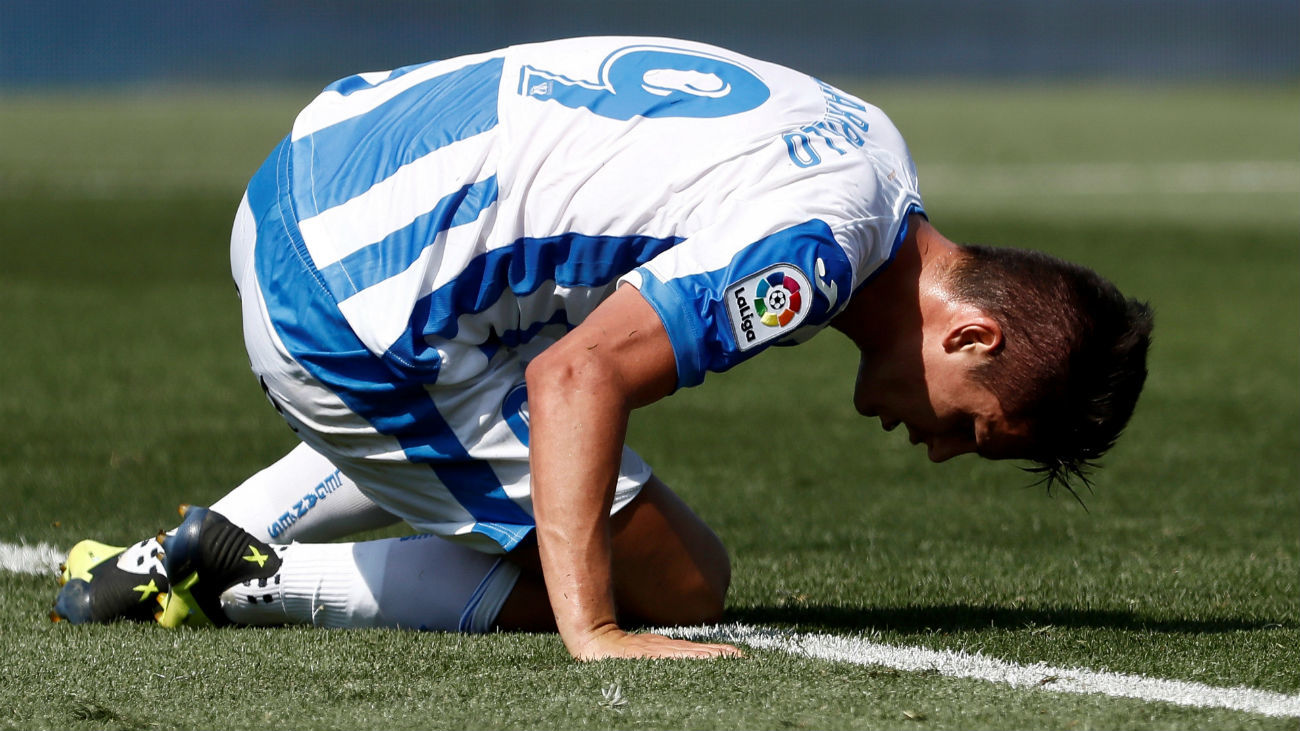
{"x":891,"y":308}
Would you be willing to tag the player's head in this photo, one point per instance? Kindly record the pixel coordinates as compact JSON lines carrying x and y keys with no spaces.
{"x":1071,"y":360}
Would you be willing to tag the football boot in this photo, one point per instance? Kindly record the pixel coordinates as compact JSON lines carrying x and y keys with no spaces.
{"x":205,"y":556}
{"x":96,"y":588}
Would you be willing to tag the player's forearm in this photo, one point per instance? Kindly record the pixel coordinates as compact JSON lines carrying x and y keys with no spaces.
{"x":578,"y":418}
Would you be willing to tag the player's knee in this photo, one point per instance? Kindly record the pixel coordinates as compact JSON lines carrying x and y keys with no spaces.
{"x":716,"y":580}
{"x":684,"y":597}
{"x":703,"y":599}
{"x":700,"y":604}
{"x":713,"y":600}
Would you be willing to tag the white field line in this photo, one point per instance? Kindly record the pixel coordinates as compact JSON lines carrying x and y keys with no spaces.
{"x":1218,"y":177}
{"x":43,"y":558}
{"x":1038,"y":676}
{"x":24,"y":558}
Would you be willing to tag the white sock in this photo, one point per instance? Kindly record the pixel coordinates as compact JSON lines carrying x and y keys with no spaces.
{"x":261,"y":596}
{"x":416,"y":582}
{"x":301,"y":497}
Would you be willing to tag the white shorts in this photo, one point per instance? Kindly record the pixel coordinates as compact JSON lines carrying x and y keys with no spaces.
{"x":448,"y":458}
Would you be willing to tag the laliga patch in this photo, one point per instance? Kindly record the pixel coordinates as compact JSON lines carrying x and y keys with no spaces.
{"x":768,"y":304}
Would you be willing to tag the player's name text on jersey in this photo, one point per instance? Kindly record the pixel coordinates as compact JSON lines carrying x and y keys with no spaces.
{"x":841,"y":128}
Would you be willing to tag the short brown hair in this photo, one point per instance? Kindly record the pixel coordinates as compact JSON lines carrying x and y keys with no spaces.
{"x":1073,"y":356}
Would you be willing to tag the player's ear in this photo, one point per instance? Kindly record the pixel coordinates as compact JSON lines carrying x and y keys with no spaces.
{"x":974,"y":333}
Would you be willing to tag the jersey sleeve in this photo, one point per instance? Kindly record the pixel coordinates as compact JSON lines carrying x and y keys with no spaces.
{"x":732,"y":290}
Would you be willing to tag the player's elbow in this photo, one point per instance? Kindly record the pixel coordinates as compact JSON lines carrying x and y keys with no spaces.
{"x":549,"y":369}
{"x":562,"y":372}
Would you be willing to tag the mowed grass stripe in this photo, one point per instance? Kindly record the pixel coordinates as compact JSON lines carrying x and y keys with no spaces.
{"x":1038,"y":676}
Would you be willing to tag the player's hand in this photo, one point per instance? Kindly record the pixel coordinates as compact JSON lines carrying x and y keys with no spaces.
{"x":619,"y":644}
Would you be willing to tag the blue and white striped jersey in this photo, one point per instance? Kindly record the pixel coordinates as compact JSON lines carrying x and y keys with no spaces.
{"x":461,"y":206}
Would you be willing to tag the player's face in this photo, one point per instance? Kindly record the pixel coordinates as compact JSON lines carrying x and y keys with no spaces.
{"x":942,"y":406}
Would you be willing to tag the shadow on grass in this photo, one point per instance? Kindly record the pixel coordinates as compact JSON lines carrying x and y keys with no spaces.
{"x":969,"y":617}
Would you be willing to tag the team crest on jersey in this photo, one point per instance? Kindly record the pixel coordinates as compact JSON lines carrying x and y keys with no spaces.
{"x":768,"y":304}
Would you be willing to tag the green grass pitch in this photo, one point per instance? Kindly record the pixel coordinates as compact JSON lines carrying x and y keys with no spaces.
{"x":124,"y":390}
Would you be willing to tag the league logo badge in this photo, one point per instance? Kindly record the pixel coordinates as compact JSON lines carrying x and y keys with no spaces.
{"x":767,"y":304}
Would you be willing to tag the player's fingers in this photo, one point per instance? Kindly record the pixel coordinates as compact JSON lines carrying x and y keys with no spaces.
{"x":709,"y":649}
{"x":657,"y":646}
{"x":717,"y":650}
{"x":728,"y":650}
{"x":666,"y":647}
{"x":697,"y":652}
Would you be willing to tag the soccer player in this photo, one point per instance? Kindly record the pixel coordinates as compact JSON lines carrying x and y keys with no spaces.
{"x":460,"y":278}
